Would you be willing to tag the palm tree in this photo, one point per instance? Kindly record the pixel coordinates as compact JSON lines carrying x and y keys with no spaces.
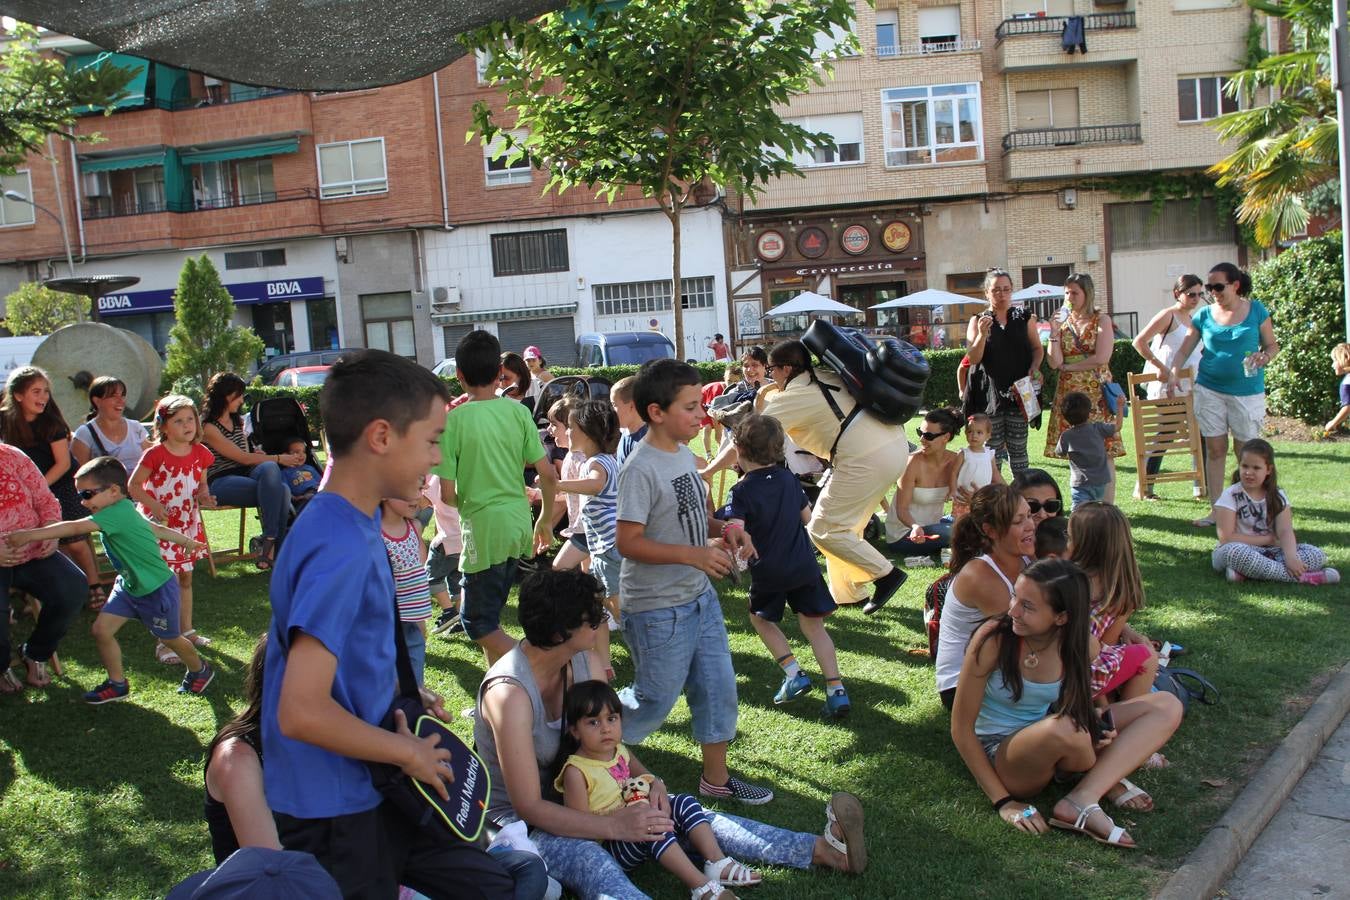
{"x":1290,"y":145}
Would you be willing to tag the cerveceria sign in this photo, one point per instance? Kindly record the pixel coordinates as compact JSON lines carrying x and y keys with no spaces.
{"x":855,"y":267}
{"x":248,"y":292}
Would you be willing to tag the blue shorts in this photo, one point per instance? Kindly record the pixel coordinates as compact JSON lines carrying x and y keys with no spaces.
{"x":442,"y":571}
{"x":809,"y":599}
{"x":578,"y":540}
{"x":681,"y":649}
{"x":605,"y":568}
{"x":485,"y":593}
{"x":1345,"y":393}
{"x":157,"y":610}
{"x":1086,"y":493}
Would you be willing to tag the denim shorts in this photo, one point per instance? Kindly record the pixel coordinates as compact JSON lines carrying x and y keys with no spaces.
{"x":485,"y":594}
{"x":1086,"y":493}
{"x":682,"y":648}
{"x":605,"y":567}
{"x":442,"y":574}
{"x":157,"y":610}
{"x":578,"y":540}
{"x":991,"y":743}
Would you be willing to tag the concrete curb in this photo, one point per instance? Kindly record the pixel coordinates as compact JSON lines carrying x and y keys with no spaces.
{"x":1210,"y":864}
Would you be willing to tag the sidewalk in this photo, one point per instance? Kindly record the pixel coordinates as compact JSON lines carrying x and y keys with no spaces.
{"x":1305,"y":850}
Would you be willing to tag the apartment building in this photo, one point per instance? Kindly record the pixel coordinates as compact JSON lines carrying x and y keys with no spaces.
{"x":974,"y":134}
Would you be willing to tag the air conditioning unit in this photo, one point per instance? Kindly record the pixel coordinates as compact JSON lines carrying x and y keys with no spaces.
{"x":444,"y":298}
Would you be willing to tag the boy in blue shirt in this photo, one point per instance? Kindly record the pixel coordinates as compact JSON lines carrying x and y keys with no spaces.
{"x":330,"y":673}
{"x":672,"y":620}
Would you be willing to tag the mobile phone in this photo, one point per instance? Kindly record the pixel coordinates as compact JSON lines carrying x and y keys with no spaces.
{"x":1108,"y":721}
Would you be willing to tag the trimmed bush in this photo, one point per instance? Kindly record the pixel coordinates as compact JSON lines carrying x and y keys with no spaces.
{"x":1303,"y":289}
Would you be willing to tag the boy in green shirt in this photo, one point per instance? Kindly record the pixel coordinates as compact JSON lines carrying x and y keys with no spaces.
{"x":145,"y":588}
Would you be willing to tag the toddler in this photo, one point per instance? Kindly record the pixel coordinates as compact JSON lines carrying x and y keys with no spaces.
{"x":1340,"y":361}
{"x":977,"y":467}
{"x":598,"y":774}
{"x":1052,"y":538}
{"x":1084,"y":443}
{"x":443,"y":559}
{"x":575,"y":550}
{"x":408,"y":557}
{"x":303,"y":480}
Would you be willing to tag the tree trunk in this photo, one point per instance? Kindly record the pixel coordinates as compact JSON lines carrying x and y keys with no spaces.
{"x":676,"y":285}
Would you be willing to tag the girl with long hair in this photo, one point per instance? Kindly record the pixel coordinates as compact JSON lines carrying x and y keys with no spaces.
{"x":1035,"y":658}
{"x":106,"y":430}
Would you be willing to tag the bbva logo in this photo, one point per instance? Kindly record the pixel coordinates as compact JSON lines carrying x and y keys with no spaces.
{"x":116,"y":301}
{"x":283,"y":288}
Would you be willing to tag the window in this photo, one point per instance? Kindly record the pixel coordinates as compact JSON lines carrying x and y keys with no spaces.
{"x":1179,"y":223}
{"x":847,"y":131}
{"x":255,"y":181}
{"x":502,"y":166}
{"x":149,"y":186}
{"x":1051,"y":275}
{"x":1203,"y":98}
{"x":255,"y":259}
{"x":481,"y":60}
{"x":1047,"y":109}
{"x":351,"y":168}
{"x":930,"y":125}
{"x":888,"y":32}
{"x":1018,"y":8}
{"x":529,"y":252}
{"x":16,"y":212}
{"x":637,"y":297}
{"x":939,"y":27}
{"x":388,"y":322}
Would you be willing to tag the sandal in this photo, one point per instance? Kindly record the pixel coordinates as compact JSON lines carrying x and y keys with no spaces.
{"x":198,"y":640}
{"x":711,"y":890}
{"x":1205,"y":522}
{"x":731,"y":873}
{"x":37,"y":672}
{"x":97,"y":597}
{"x":166,"y":655}
{"x":845,"y":811}
{"x":9,"y":684}
{"x":265,"y":553}
{"x":1131,"y":791}
{"x":1113,"y":838}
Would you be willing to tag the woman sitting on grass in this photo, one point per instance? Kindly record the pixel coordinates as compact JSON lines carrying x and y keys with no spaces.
{"x":1035,"y":658}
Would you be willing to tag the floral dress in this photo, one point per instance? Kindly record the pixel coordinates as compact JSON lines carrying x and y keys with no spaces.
{"x":174,"y":481}
{"x":1078,"y":347}
{"x":1110,"y":657}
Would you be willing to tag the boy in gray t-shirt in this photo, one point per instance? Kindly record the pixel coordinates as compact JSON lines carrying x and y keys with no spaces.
{"x":1085,"y":445}
{"x":672,"y":621}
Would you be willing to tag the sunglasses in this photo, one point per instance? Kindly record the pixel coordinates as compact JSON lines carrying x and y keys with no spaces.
{"x":1051,"y":506}
{"x":931,"y":435}
{"x":1216,"y":288}
{"x":90,"y":495}
{"x":1196,"y":295}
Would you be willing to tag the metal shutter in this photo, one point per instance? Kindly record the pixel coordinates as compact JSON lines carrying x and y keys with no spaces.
{"x":453,"y":335}
{"x":555,"y":337}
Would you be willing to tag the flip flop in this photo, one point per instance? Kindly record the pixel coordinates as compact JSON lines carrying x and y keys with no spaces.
{"x":97,"y":597}
{"x":1131,"y":792}
{"x":1079,"y":825}
{"x":9,"y":684}
{"x":37,"y":672}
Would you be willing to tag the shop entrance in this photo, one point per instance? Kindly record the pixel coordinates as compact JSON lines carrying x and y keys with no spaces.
{"x":272,"y":323}
{"x":864,"y":296}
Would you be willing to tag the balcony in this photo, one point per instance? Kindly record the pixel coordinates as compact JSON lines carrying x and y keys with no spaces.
{"x":1034,"y":42}
{"x":1070,"y":152}
{"x":112,"y":208}
{"x":929,"y":48}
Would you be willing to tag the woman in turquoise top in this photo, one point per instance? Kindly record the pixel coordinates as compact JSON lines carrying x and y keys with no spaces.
{"x":1238,"y":341}
{"x":1020,"y":666}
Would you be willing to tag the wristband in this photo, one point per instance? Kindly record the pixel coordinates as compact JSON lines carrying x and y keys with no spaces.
{"x":999,"y":804}
{"x":726,"y":526}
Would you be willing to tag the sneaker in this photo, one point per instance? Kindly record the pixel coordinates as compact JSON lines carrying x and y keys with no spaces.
{"x":107,"y":692}
{"x":735,"y":789}
{"x":196,"y":682}
{"x":447,"y":622}
{"x":1321,"y":576}
{"x":1232,"y":575}
{"x":793,"y":686}
{"x":836,"y":703}
{"x":885,"y":589}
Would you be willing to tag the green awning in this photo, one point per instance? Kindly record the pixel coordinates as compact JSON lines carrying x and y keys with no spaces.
{"x":239,"y":151}
{"x":503,"y":315}
{"x":113,"y":163}
{"x":135,"y":88}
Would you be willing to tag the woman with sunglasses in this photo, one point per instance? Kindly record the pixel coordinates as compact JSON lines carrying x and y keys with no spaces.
{"x":1238,"y":341}
{"x":1003,"y":346}
{"x":1158,"y":344}
{"x":915,"y":525}
{"x":1039,"y":488}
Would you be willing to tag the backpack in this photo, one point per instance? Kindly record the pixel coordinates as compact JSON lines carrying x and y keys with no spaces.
{"x":933,"y":598}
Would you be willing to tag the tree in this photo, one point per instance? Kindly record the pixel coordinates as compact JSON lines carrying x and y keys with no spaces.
{"x":38,"y":97}
{"x":35,"y":309}
{"x":660,"y":95}
{"x":1289,"y":146}
{"x":202,"y":341}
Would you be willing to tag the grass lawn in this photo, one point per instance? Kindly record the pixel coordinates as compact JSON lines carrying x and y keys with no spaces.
{"x":107,"y":801}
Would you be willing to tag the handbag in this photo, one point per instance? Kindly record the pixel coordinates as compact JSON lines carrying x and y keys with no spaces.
{"x":1112,"y":395}
{"x":463,"y":814}
{"x":1186,"y":685}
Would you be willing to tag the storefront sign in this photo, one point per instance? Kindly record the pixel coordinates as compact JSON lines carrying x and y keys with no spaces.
{"x":130,"y":303}
{"x":812,"y":242}
{"x":839,"y":270}
{"x":896,"y":236}
{"x":855,"y":239}
{"x":770,"y":246}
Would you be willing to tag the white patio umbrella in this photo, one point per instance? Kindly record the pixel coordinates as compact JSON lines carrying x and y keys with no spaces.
{"x":926,"y":297}
{"x":1036,"y":291}
{"x":810,"y":302}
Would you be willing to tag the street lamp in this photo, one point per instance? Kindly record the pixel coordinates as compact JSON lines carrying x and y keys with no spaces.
{"x":20,"y":198}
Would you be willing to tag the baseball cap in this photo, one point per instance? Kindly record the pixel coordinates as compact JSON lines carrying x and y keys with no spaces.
{"x":259,"y":873}
{"x":532,"y":352}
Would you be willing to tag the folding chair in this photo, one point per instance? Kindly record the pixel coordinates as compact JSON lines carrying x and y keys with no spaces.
{"x":227,"y":554}
{"x":1165,"y":426}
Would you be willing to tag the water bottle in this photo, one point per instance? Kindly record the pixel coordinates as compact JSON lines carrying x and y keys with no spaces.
{"x":1249,"y":365}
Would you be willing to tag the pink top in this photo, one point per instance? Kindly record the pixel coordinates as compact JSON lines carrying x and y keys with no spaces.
{"x":447,"y":518}
{"x":175,"y":482}
{"x":25,"y":500}
{"x":573,"y":467}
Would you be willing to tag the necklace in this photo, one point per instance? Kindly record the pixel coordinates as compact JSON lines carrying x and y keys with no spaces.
{"x":1032,"y":659}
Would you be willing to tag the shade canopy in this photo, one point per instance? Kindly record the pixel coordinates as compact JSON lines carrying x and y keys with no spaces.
{"x":239,"y":151}
{"x":317,"y":45}
{"x":1038,"y":290}
{"x":809,"y":302}
{"x":927,"y":297}
{"x":114,"y":163}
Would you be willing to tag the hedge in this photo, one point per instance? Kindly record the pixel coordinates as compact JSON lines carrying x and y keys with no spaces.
{"x":941,"y":384}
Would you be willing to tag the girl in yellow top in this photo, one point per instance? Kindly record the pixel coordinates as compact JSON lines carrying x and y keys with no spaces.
{"x":599,"y":774}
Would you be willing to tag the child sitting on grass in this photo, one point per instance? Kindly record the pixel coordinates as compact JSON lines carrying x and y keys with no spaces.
{"x":598,"y":774}
{"x":769,"y":503}
{"x":1085,"y":446}
{"x":145,"y":588}
{"x":1340,"y":362}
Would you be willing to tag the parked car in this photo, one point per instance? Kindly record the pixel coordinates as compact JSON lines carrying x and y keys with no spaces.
{"x":273,"y":365}
{"x":302,"y":376}
{"x":445,"y":368}
{"x":623,"y":348}
{"x":589,"y":387}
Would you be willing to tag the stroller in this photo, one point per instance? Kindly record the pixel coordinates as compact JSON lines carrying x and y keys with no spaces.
{"x":277,"y":421}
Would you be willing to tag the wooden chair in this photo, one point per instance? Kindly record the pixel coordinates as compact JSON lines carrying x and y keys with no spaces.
{"x":1165,"y":426}
{"x":227,"y":554}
